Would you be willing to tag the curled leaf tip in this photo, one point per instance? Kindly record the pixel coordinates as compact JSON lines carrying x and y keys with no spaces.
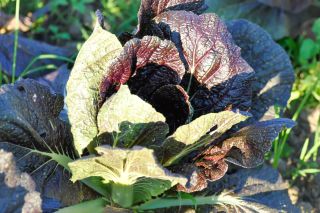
{"x":100,"y":18}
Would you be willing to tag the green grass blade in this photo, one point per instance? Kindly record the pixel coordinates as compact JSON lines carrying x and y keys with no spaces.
{"x":39,"y":69}
{"x":284,"y":138}
{"x":304,"y":150}
{"x":64,"y":160}
{"x":43,"y":57}
{"x":16,"y":35}
{"x":304,"y":172}
{"x":317,"y":141}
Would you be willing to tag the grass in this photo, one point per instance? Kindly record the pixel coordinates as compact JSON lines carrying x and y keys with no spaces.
{"x":304,"y":53}
{"x":29,"y":70}
{"x":281,"y":141}
{"x":16,"y":36}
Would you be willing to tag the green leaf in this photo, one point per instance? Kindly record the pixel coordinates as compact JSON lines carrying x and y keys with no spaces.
{"x":131,"y":121}
{"x":29,"y":115}
{"x":83,"y":85}
{"x":304,"y":150}
{"x":222,"y":199}
{"x":122,"y":166}
{"x":194,"y":135}
{"x":316,"y":28}
{"x":63,"y":160}
{"x":308,"y":50}
{"x":141,"y":191}
{"x":134,"y":175}
{"x":97,"y":206}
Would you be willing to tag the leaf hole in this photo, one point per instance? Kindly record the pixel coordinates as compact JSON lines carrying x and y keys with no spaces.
{"x":43,"y":135}
{"x":21,"y":89}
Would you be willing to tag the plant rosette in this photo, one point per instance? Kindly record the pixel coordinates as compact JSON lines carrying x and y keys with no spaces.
{"x":166,"y":109}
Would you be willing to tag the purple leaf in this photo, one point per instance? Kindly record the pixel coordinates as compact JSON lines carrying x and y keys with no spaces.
{"x":208,"y":50}
{"x":173,"y":102}
{"x":245,"y":148}
{"x":151,"y":8}
{"x":138,"y":54}
{"x":272,"y":65}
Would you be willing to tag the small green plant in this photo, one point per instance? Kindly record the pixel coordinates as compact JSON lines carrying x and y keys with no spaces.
{"x":308,"y":157}
{"x":63,"y":22}
{"x":304,"y":53}
{"x":121,"y":14}
{"x":16,"y":36}
{"x":8,"y":6}
{"x":280,"y":143}
{"x":29,"y":70}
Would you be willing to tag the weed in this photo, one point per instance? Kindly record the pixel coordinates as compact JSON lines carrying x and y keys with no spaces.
{"x":16,"y":36}
{"x":304,"y":53}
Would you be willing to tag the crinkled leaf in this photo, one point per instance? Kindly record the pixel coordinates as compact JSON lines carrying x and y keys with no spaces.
{"x":150,"y":78}
{"x":146,"y":188}
{"x":131,"y":121}
{"x":151,"y":8}
{"x":83,"y":86}
{"x":29,"y":115}
{"x":173,"y":102}
{"x":47,"y":175}
{"x":141,"y":191}
{"x":211,"y":57}
{"x":190,"y":134}
{"x":122,"y":166}
{"x":136,"y":55}
{"x":245,"y":148}
{"x":248,"y":146}
{"x":207,"y":46}
{"x":134,"y":175}
{"x":274,"y":72}
{"x":278,"y":22}
{"x":196,"y":180}
{"x":17,"y":190}
{"x":261,"y":186}
{"x":199,"y":133}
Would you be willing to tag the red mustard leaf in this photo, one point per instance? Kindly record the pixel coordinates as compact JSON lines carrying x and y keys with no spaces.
{"x":173,"y":102}
{"x":212,"y":58}
{"x":273,"y":69}
{"x":207,"y":46}
{"x":150,"y":78}
{"x":248,"y":146}
{"x":151,"y":8}
{"x":196,"y":180}
{"x":245,"y":148}
{"x":136,"y":55}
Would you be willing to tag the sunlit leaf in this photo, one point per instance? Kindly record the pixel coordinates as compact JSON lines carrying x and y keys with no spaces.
{"x":83,"y":86}
{"x":122,"y":166}
{"x":188,"y":137}
{"x":211,"y":57}
{"x":274,"y":74}
{"x":131,"y":121}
